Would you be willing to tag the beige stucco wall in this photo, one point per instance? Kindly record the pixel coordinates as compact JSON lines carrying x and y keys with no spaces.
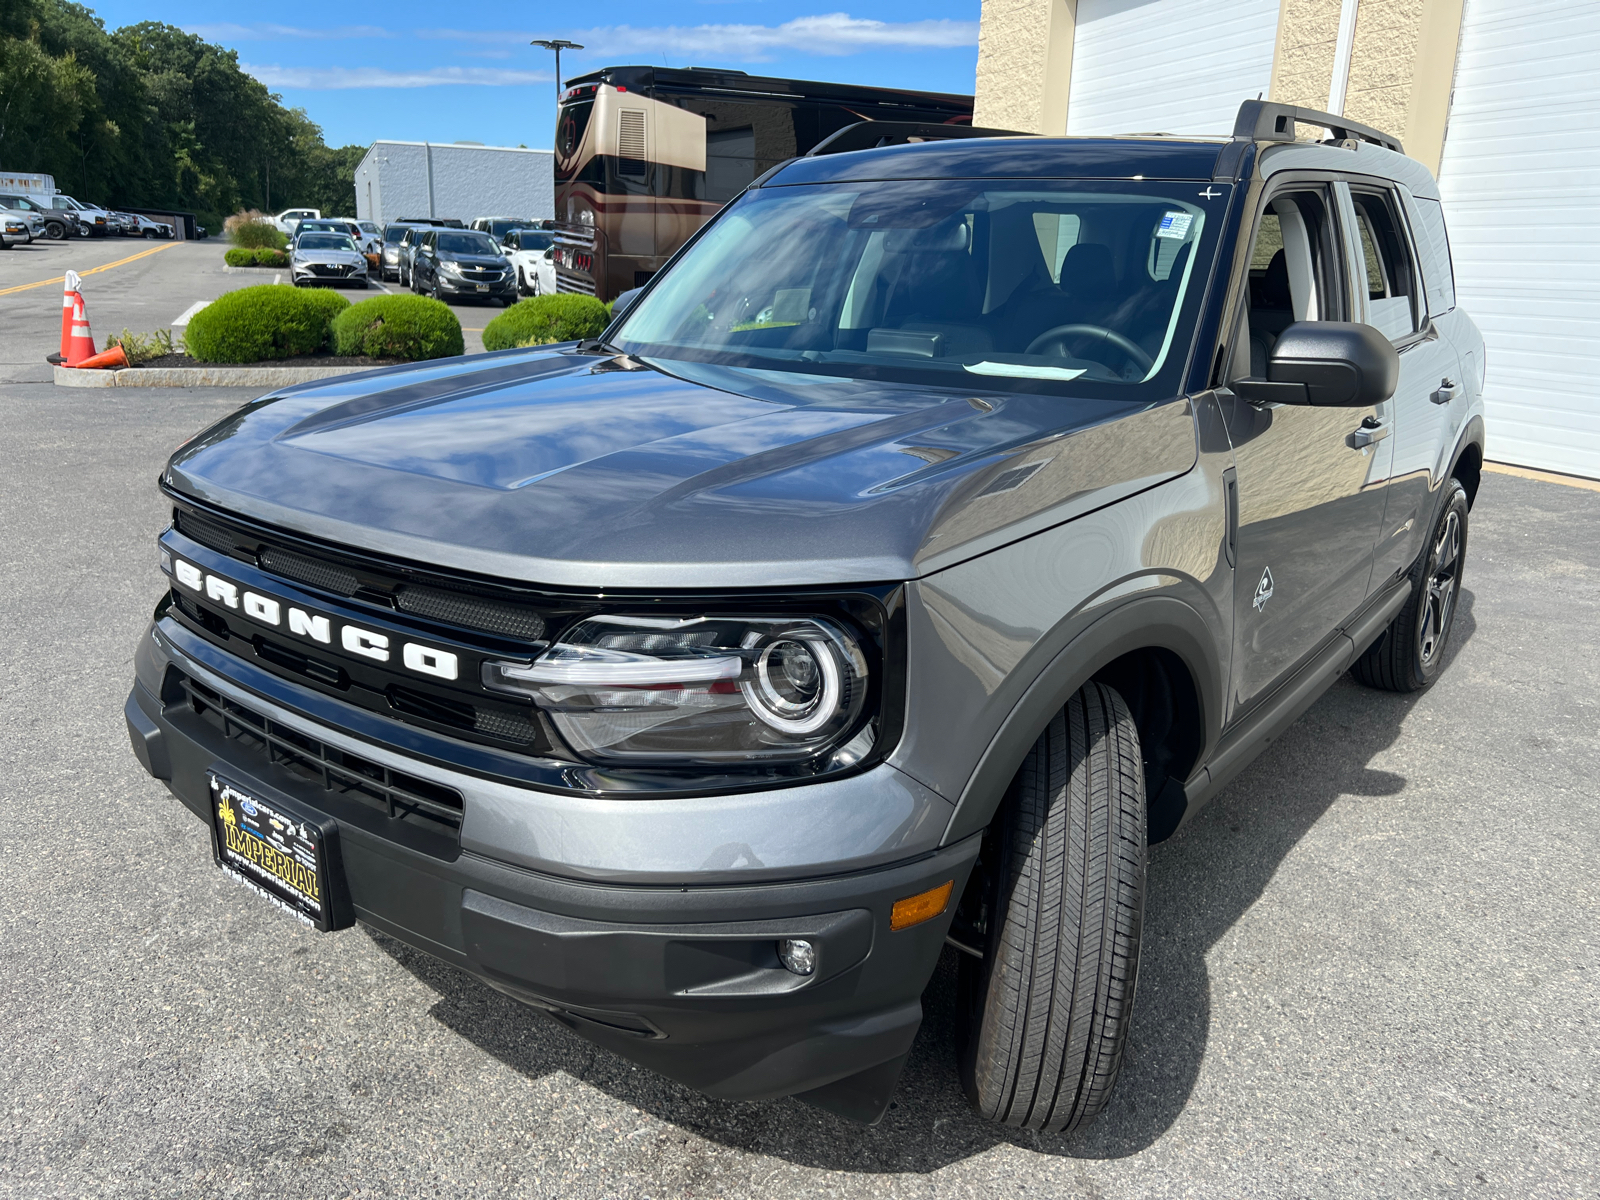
{"x":1402,"y":65}
{"x":1024,"y":65}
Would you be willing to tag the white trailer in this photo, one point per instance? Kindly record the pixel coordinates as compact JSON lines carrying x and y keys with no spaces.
{"x":401,"y":180}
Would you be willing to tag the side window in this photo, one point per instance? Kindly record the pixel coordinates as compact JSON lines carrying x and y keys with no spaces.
{"x":1392,"y":297}
{"x":1295,"y":275}
{"x":1438,"y":274}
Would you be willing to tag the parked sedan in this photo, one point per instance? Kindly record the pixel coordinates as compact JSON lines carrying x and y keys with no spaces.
{"x":326,"y":260}
{"x":13,"y":232}
{"x":390,"y":264}
{"x":462,"y":263}
{"x":532,"y":257}
{"x":151,"y":229}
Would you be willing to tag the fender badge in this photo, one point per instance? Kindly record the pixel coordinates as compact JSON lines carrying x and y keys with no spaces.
{"x":1263,"y":591}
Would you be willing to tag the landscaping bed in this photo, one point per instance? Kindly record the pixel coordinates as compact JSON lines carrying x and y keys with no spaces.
{"x":168,"y":361}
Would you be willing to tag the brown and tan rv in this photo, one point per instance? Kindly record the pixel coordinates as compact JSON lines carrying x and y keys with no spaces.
{"x":645,"y":156}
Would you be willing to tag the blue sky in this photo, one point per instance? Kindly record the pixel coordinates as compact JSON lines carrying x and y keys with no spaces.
{"x":408,"y":70}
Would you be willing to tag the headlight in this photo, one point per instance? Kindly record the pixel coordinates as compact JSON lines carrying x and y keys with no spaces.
{"x":637,"y":690}
{"x":449,"y":267}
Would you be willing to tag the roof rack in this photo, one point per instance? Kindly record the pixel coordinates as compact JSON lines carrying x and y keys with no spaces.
{"x":867,"y":135}
{"x":1266,"y":121}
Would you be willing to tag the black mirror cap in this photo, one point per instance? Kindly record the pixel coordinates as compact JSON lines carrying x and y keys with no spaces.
{"x":1339,"y":364}
{"x":624,"y":302}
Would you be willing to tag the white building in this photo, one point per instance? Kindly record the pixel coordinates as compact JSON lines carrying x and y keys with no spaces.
{"x":397,"y":180}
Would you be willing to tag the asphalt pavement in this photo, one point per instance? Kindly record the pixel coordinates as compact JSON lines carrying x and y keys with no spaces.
{"x":1372,"y":966}
{"x":131,"y":283}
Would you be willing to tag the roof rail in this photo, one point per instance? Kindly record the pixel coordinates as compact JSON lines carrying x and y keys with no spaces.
{"x":867,"y":135}
{"x":1266,"y":121}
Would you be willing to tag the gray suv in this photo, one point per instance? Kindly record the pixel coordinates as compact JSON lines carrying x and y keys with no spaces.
{"x":949,"y":521}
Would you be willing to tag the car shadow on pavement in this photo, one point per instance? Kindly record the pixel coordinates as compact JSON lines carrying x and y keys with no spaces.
{"x":1201,"y":882}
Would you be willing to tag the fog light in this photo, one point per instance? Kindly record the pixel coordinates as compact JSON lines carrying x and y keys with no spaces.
{"x":799,"y":955}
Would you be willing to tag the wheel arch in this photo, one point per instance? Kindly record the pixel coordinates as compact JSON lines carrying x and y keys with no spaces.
{"x":1161,"y":650}
{"x":1467,"y":464}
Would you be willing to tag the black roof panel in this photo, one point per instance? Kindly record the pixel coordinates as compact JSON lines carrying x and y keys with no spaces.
{"x":1013,"y":158}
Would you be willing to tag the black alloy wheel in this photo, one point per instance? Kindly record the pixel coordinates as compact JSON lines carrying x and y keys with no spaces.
{"x":1409,"y":654}
{"x":55,"y":230}
{"x":1061,"y":883}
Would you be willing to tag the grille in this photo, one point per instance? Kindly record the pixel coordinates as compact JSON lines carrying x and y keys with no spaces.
{"x":488,"y":615}
{"x":309,"y":570}
{"x":212,"y":534}
{"x":463,"y":609}
{"x":330,"y":269}
{"x":400,"y":796}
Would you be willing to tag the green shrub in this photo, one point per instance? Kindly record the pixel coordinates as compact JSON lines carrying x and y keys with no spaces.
{"x":255,"y":234}
{"x":239,"y":256}
{"x":142,"y":347}
{"x":266,"y":256}
{"x":257,"y":323}
{"x":541,"y":320}
{"x":408,"y":327}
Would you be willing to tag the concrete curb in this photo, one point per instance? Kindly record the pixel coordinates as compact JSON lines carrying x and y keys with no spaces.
{"x":256,"y":377}
{"x":227,"y":270}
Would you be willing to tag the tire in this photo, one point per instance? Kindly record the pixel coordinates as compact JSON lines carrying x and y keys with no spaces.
{"x":84,"y":231}
{"x":1409,"y":654}
{"x":55,"y":231}
{"x":150,"y":235}
{"x":1049,"y":1007}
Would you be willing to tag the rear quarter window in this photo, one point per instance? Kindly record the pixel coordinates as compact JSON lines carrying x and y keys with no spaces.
{"x":1433,"y":243}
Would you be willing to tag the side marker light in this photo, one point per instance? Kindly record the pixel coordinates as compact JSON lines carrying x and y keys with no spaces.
{"x":924,"y":906}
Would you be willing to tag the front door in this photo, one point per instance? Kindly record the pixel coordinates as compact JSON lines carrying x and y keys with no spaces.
{"x":1310,"y":480}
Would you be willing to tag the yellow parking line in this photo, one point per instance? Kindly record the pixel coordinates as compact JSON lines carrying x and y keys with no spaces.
{"x":22,"y":287}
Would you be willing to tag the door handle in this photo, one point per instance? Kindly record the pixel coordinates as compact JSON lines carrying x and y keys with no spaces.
{"x":1449,"y":389}
{"x":1369,"y":431}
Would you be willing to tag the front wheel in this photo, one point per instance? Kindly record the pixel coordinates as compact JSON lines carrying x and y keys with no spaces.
{"x":55,"y":230}
{"x":84,"y":231}
{"x":1049,"y":1007}
{"x":1408,"y":656}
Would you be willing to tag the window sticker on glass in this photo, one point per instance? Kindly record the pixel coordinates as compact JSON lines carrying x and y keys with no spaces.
{"x":1174,"y":225}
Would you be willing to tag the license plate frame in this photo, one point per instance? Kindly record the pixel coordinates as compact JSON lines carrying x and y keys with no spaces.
{"x":283,"y":851}
{"x":483,"y":287}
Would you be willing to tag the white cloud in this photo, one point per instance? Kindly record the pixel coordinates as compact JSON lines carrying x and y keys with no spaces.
{"x":830,"y":34}
{"x":229,"y":32}
{"x":324,"y":79}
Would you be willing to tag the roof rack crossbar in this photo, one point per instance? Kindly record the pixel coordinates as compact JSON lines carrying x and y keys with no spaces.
{"x":1267,"y":121}
{"x":867,"y":135}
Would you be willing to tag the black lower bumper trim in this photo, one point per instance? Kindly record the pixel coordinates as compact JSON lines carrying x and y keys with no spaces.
{"x":684,"y":980}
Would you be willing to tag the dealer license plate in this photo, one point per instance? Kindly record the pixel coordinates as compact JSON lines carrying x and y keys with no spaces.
{"x":283,"y":853}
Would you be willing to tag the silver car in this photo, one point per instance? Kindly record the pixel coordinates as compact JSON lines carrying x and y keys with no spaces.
{"x":326,"y":260}
{"x":13,"y":231}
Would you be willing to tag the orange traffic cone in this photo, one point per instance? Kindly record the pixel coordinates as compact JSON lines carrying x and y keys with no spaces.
{"x":80,"y":344}
{"x":69,"y":294}
{"x":106,"y":360}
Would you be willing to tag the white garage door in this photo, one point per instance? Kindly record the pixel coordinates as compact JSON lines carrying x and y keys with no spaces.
{"x":1168,"y":66}
{"x":1521,"y":184}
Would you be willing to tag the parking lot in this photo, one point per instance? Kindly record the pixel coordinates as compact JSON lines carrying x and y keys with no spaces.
{"x":1372,"y":966}
{"x":134,"y":284}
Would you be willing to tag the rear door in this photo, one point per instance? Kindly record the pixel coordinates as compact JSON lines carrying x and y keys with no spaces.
{"x":1431,"y":396}
{"x":1310,"y":487}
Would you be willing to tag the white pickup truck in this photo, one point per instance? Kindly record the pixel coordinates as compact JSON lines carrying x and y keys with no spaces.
{"x":289,"y":219}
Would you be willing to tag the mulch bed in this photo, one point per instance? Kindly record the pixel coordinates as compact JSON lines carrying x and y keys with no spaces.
{"x":304,"y":360}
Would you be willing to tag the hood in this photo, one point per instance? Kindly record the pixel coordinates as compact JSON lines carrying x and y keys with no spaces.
{"x":328,"y":256}
{"x":474,"y":260}
{"x":575,"y":470}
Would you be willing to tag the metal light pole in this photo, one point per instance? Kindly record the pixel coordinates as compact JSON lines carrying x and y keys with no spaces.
{"x":558,"y":45}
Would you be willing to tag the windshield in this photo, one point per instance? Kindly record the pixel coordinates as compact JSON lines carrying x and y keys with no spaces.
{"x":393,"y":233}
{"x":1025,"y":284}
{"x":530,"y":239}
{"x":465,"y":243}
{"x":326,"y":241}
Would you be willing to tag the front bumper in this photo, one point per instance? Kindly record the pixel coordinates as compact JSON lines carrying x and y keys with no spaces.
{"x":678,"y":975}
{"x":496,"y":289}
{"x":304,"y":273}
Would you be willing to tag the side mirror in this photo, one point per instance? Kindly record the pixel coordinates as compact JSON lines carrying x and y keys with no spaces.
{"x":1328,"y":364}
{"x":624,"y":302}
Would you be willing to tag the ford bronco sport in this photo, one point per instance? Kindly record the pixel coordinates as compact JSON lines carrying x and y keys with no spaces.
{"x":950,"y":520}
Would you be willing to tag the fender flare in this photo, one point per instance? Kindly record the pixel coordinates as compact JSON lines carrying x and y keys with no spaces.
{"x":1155,"y":622}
